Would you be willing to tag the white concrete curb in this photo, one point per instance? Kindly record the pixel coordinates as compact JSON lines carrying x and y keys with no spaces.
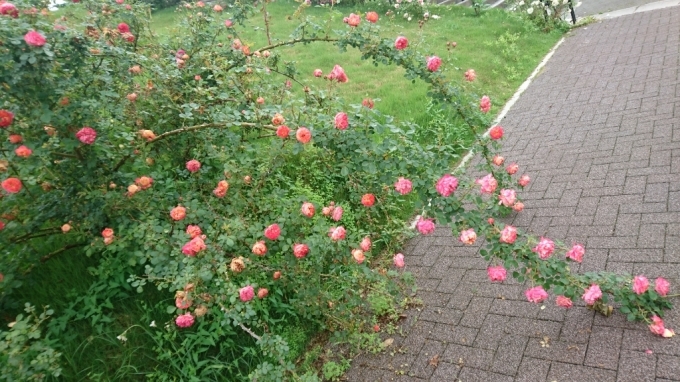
{"x":641,"y":8}
{"x":514,"y":99}
{"x":505,"y":110}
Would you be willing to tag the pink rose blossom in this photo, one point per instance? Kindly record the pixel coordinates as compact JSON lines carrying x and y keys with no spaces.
{"x":496,"y":132}
{"x":488,"y":184}
{"x":353,"y":20}
{"x":592,"y":294}
{"x":11,"y":185}
{"x":508,"y":234}
{"x":184,"y":320}
{"x":194,"y":246}
{"x":246,"y":293}
{"x":468,"y":236}
{"x":470,"y":75}
{"x":183,"y":303}
{"x":337,"y":213}
{"x":318,"y":73}
{"x":576,"y":253}
{"x":403,"y":186}
{"x":512,"y":169}
{"x":123,"y":28}
{"x":544,"y":248}
{"x":34,"y":38}
{"x":358,"y":256}
{"x":272,"y":232}
{"x":86,"y":135}
{"x":300,"y":250}
{"x":338,"y":74}
{"x":307,"y":209}
{"x":9,"y":9}
{"x":193,"y":165}
{"x":6,"y":118}
{"x":259,"y":248}
{"x":178,"y":213}
{"x":657,"y":326}
{"x":368,"y":200}
{"x":367,"y":102}
{"x":564,"y":302}
{"x":433,"y":63}
{"x":2,"y":226}
{"x":497,"y":273}
{"x":640,"y":284}
{"x":303,"y":135}
{"x":341,"y":121}
{"x":446,"y":185}
{"x":507,"y":197}
{"x":524,"y":180}
{"x":661,"y":286}
{"x":425,"y":226}
{"x":282,"y":131}
{"x":485,"y":104}
{"x":327,"y":211}
{"x":23,"y":151}
{"x":536,"y":294}
{"x":262,"y":293}
{"x":401,"y":43}
{"x":399,"y":260}
{"x":518,"y":207}
{"x":372,"y":17}
{"x":228,"y":23}
{"x":107,"y":233}
{"x":498,"y":160}
{"x":337,"y":233}
{"x":366,"y":244}
{"x":194,"y":231}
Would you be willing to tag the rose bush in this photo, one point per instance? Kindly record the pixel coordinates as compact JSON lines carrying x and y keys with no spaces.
{"x":197,"y":186}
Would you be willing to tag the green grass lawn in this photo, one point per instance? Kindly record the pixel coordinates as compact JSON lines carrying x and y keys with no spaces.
{"x":500,"y":47}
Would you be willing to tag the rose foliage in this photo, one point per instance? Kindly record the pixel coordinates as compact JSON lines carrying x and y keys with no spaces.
{"x":213,"y":170}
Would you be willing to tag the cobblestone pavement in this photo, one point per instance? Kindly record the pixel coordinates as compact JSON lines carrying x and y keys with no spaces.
{"x":599,"y":133}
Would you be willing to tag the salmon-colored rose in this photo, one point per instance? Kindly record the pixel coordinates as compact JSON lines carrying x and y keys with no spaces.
{"x":178,"y":213}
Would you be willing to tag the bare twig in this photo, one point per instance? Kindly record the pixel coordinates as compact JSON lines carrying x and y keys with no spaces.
{"x":250,"y":332}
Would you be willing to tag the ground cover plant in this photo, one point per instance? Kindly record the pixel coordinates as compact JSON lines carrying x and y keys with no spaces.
{"x":244,"y":199}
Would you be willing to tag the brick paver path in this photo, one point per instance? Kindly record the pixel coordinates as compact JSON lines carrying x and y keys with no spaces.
{"x":599,"y":133}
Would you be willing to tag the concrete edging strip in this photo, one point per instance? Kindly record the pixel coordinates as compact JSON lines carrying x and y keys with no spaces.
{"x":640,"y":8}
{"x":513,"y":100}
{"x":505,"y":110}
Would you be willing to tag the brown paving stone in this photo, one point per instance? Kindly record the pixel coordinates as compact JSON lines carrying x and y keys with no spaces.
{"x":556,"y":350}
{"x":469,"y":374}
{"x":636,"y":367}
{"x":567,"y":372}
{"x":445,"y":372}
{"x":668,"y":366}
{"x":603,"y":347}
{"x":468,"y":356}
{"x":491,"y":332}
{"x":423,"y":366}
{"x":509,"y":354}
{"x":532,"y":370}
